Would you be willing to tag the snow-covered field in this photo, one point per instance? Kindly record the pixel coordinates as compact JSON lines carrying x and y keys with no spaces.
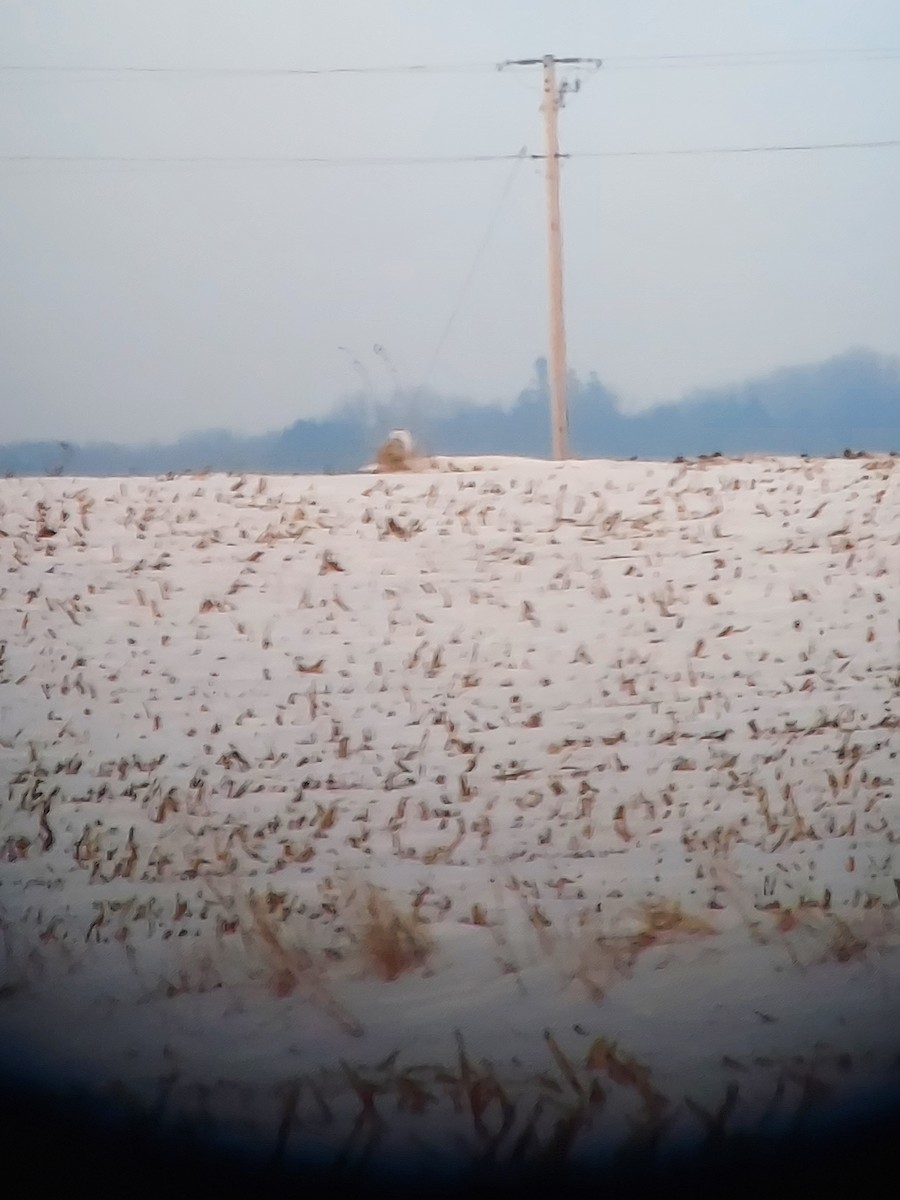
{"x":503,"y":807}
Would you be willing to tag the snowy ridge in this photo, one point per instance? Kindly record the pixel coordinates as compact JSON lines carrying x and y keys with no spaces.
{"x":410,"y":802}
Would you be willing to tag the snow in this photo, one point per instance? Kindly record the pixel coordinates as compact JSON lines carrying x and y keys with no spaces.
{"x":317,"y":785}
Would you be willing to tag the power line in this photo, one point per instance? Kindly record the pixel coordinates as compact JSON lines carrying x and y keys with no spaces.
{"x":763,"y":58}
{"x":764,"y":149}
{"x":613,"y":62}
{"x":479,"y":253}
{"x":399,"y":69}
{"x":261,"y":160}
{"x":435,"y":160}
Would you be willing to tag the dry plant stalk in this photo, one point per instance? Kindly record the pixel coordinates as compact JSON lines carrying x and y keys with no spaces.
{"x":392,"y":942}
{"x":396,"y":453}
{"x":606,"y":958}
{"x":293,"y":969}
{"x":664,"y":918}
{"x":627,"y":1072}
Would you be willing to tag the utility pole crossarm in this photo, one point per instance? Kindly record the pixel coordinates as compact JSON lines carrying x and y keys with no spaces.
{"x":539,"y":62}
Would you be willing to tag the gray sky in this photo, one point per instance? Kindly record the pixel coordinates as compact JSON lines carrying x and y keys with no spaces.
{"x":143,"y":300}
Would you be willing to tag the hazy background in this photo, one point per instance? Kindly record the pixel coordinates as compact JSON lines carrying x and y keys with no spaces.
{"x":144,"y":300}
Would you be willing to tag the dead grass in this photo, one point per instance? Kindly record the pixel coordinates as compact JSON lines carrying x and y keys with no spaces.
{"x":844,"y":943}
{"x":666,"y":921}
{"x":626,"y":1071}
{"x":483,"y":1113}
{"x":396,"y":453}
{"x":604,"y":957}
{"x":392,"y":942}
{"x":290,"y":967}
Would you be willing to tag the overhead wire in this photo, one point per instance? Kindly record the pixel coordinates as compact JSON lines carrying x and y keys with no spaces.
{"x":774,"y":148}
{"x":398,"y":69}
{"x":433,"y":160}
{"x":610,"y":62}
{"x":613,"y":62}
{"x":263,"y":159}
{"x":521,"y":157}
{"x":763,"y":58}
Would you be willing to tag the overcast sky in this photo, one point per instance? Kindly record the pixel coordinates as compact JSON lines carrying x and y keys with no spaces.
{"x":146,"y":299}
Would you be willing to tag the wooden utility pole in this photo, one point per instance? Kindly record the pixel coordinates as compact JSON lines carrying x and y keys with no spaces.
{"x":559,"y":411}
{"x":554,"y":98}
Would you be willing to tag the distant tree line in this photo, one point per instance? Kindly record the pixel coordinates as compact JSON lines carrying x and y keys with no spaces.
{"x":848,"y":402}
